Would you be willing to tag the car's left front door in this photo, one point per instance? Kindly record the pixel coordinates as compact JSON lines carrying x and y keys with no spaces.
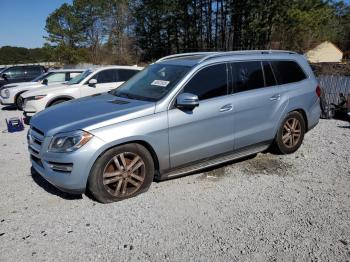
{"x":207,"y":130}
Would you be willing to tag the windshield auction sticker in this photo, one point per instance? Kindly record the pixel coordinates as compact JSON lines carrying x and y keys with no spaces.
{"x":160,"y":83}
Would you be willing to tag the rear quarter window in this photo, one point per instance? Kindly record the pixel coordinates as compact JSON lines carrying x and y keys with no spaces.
{"x":287,"y":72}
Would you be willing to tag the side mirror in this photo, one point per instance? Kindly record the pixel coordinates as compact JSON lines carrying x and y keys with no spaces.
{"x":45,"y":81}
{"x":92,"y":82}
{"x":187,"y":101}
{"x":4,"y":76}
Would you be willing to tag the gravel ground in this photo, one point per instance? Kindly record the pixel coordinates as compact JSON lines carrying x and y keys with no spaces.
{"x":267,"y":208}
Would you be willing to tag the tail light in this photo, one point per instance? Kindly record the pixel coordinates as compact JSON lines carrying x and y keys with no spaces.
{"x":318,"y":91}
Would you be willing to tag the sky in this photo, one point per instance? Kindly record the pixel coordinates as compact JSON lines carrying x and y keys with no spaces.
{"x":22,"y":22}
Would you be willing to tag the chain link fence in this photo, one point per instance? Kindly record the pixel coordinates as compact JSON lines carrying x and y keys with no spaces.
{"x":335,"y":89}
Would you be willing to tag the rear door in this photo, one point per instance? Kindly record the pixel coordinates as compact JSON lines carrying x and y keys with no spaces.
{"x":207,"y":130}
{"x":258,"y":102}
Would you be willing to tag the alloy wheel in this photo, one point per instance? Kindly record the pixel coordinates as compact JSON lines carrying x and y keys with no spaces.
{"x":124,"y":174}
{"x":291,"y":132}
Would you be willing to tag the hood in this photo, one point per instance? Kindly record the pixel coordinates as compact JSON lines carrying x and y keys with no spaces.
{"x":89,"y":113}
{"x":43,"y":89}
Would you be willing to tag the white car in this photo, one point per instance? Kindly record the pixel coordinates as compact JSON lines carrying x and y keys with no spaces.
{"x":10,"y":93}
{"x":90,"y":82}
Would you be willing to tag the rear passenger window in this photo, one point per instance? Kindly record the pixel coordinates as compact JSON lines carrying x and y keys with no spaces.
{"x":209,"y":82}
{"x":269,"y":76}
{"x":125,"y":74}
{"x":247,"y":76}
{"x":107,"y":76}
{"x":287,"y":72}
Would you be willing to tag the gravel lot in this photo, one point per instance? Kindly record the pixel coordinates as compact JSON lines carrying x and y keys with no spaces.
{"x":267,"y":208}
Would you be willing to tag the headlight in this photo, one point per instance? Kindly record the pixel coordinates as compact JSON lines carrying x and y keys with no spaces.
{"x":5,"y":93}
{"x":38,"y":97}
{"x":69,"y":142}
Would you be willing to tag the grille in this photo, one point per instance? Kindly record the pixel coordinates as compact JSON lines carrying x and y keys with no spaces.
{"x":35,"y":140}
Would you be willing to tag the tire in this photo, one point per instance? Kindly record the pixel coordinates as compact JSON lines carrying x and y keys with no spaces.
{"x":19,"y":102}
{"x":57,"y":102}
{"x":290,"y":135}
{"x":106,"y":185}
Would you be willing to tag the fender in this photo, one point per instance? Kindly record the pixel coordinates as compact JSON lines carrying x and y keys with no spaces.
{"x":59,"y":98}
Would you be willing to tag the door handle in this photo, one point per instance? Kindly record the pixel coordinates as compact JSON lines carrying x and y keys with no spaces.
{"x":275,"y":97}
{"x":226,"y":108}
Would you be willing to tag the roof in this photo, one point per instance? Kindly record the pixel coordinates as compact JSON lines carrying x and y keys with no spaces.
{"x":67,"y":70}
{"x":191,"y":59}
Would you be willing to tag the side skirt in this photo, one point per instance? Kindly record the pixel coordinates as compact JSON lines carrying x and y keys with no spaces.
{"x":209,"y":162}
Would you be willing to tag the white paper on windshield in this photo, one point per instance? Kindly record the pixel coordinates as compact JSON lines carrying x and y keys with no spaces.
{"x":160,"y":83}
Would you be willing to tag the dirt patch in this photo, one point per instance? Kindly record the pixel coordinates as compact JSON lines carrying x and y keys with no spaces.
{"x":214,"y":174}
{"x":266,"y":165}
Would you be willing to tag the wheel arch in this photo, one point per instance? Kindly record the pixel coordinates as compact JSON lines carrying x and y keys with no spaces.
{"x":18,"y":94}
{"x":66,"y":98}
{"x":136,"y":141}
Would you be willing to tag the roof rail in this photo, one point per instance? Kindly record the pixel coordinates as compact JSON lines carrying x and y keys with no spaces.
{"x":245,"y":52}
{"x":185,"y":55}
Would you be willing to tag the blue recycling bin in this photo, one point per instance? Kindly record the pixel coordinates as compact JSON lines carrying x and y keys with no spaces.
{"x":14,"y":124}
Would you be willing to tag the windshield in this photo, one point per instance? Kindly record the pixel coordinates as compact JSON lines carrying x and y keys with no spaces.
{"x":153,"y":83}
{"x":79,"y":78}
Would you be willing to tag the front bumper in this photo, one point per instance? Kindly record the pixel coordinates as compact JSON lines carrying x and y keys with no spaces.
{"x":6,"y":101}
{"x":66,"y":171}
{"x":30,"y":108}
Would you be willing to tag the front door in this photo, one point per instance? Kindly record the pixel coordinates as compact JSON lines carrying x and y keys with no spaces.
{"x":207,"y":130}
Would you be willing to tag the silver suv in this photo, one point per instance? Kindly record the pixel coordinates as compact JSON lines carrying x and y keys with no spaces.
{"x":181,"y":114}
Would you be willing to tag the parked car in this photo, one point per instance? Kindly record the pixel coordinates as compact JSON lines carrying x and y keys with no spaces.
{"x":181,"y":114}
{"x":10,"y":94}
{"x":90,"y":82}
{"x":15,"y":74}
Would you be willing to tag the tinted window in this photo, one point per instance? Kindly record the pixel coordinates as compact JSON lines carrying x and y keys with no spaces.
{"x":269,"y":76}
{"x":209,"y":82}
{"x":33,"y":70}
{"x":287,"y":72}
{"x":14,"y":72}
{"x":247,"y":76}
{"x":125,"y":74}
{"x":106,"y":76}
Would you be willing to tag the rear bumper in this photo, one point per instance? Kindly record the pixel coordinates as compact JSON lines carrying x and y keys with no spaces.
{"x":314,"y":115}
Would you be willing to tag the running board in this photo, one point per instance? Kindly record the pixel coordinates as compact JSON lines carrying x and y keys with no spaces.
{"x":251,"y":150}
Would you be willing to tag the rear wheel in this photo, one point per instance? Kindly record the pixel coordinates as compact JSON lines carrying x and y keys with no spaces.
{"x":290,"y":134}
{"x":121,"y":172}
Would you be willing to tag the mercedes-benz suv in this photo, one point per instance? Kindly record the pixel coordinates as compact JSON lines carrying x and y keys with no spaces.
{"x":181,"y":114}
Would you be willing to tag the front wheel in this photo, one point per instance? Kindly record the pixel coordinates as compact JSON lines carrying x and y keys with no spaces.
{"x":121,"y":172}
{"x":19,"y":102}
{"x":290,"y":134}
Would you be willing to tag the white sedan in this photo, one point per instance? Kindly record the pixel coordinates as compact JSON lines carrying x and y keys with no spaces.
{"x":90,"y":82}
{"x":11,"y":94}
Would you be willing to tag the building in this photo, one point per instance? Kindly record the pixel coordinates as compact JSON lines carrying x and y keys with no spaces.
{"x":326,"y":52}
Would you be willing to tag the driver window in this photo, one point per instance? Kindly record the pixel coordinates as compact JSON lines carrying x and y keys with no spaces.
{"x":209,"y":82}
